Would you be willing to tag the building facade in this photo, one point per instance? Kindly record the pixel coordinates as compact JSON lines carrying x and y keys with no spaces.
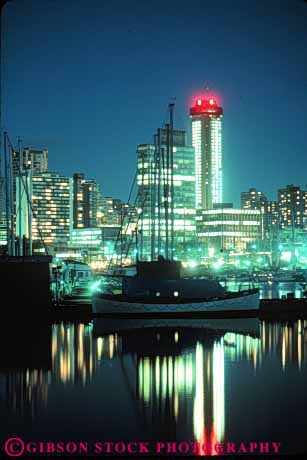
{"x":3,"y":231}
{"x":165,"y":215}
{"x":227,"y":229}
{"x":85,"y":201}
{"x":2,"y":194}
{"x":35,"y":159}
{"x":292,"y":207}
{"x":52,"y":199}
{"x":271,"y":220}
{"x":206,"y":119}
{"x":254,"y":199}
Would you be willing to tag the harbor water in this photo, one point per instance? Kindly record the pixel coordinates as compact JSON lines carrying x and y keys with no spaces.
{"x":233,"y":381}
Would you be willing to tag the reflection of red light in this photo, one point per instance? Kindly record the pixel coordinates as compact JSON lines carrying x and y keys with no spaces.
{"x":211,"y":101}
{"x":199,"y":101}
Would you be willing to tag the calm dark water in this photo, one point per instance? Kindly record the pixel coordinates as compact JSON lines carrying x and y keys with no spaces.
{"x":236,"y":381}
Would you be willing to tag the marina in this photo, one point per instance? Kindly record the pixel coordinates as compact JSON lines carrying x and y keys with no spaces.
{"x":153,"y":229}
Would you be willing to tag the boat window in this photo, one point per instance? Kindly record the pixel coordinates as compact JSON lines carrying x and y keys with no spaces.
{"x":157,"y":294}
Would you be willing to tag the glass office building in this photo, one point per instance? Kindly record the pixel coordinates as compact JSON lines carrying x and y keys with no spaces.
{"x":225,"y":228}
{"x":162,"y":209}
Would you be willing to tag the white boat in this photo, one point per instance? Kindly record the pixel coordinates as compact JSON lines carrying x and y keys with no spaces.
{"x":121,"y":304}
{"x":159,"y":290}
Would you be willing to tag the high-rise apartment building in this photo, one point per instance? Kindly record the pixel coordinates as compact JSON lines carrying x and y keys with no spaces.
{"x":85,"y":201}
{"x":271,"y":219}
{"x":52,"y":198}
{"x":292,"y":207}
{"x":254,"y":199}
{"x":2,"y":205}
{"x":108,"y":212}
{"x":164,"y":214}
{"x":206,"y":119}
{"x":34,"y":158}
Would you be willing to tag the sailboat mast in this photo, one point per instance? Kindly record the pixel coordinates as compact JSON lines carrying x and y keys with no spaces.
{"x":171,"y":142}
{"x":9,"y":217}
{"x":153,"y":181}
{"x":19,"y":207}
{"x":8,"y":207}
{"x":167,"y":190}
{"x":159,"y":182}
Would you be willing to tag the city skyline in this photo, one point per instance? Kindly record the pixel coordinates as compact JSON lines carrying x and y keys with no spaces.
{"x":264,"y":107}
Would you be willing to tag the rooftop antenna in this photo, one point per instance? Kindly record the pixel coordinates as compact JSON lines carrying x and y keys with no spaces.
{"x":206,"y":88}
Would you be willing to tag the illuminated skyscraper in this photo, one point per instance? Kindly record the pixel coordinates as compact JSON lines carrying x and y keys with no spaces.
{"x":85,"y":201}
{"x":156,"y":220}
{"x":254,"y":199}
{"x":292,"y":204}
{"x":206,"y":117}
{"x":52,"y":196}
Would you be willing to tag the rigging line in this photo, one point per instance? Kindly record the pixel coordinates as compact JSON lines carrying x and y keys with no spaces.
{"x":138,"y":218}
{"x":120,"y":234}
{"x":150,"y":160}
{"x":28,"y":198}
{"x":137,"y":221}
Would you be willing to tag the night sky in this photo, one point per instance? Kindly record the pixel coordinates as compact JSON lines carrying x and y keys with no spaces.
{"x":91,"y":79}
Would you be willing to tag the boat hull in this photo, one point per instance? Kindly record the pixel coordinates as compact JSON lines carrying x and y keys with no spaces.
{"x":239,"y":302}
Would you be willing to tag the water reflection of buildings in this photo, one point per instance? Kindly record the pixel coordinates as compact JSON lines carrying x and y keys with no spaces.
{"x":186,"y":389}
{"x":47,"y":354}
{"x":73,"y":354}
{"x":181,"y":388}
{"x":166,"y":371}
{"x":25,"y":371}
{"x":27,"y":391}
{"x":286,"y":340}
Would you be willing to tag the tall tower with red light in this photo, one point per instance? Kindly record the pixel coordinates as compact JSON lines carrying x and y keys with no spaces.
{"x":206,"y":117}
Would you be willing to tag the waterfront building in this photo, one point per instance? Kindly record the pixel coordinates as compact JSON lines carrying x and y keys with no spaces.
{"x":163,"y":214}
{"x":2,"y":207}
{"x":292,"y":207}
{"x":206,"y":119}
{"x":94,"y":237}
{"x":3,"y":231}
{"x":254,"y":199}
{"x":33,"y":161}
{"x":52,"y":199}
{"x":227,"y":229}
{"x":106,"y":243}
{"x":85,"y":201}
{"x":108,"y":212}
{"x":271,"y":219}
{"x":23,"y":227}
{"x":34,"y":158}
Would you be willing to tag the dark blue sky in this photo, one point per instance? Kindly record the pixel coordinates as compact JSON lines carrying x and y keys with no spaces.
{"x":91,"y":79}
